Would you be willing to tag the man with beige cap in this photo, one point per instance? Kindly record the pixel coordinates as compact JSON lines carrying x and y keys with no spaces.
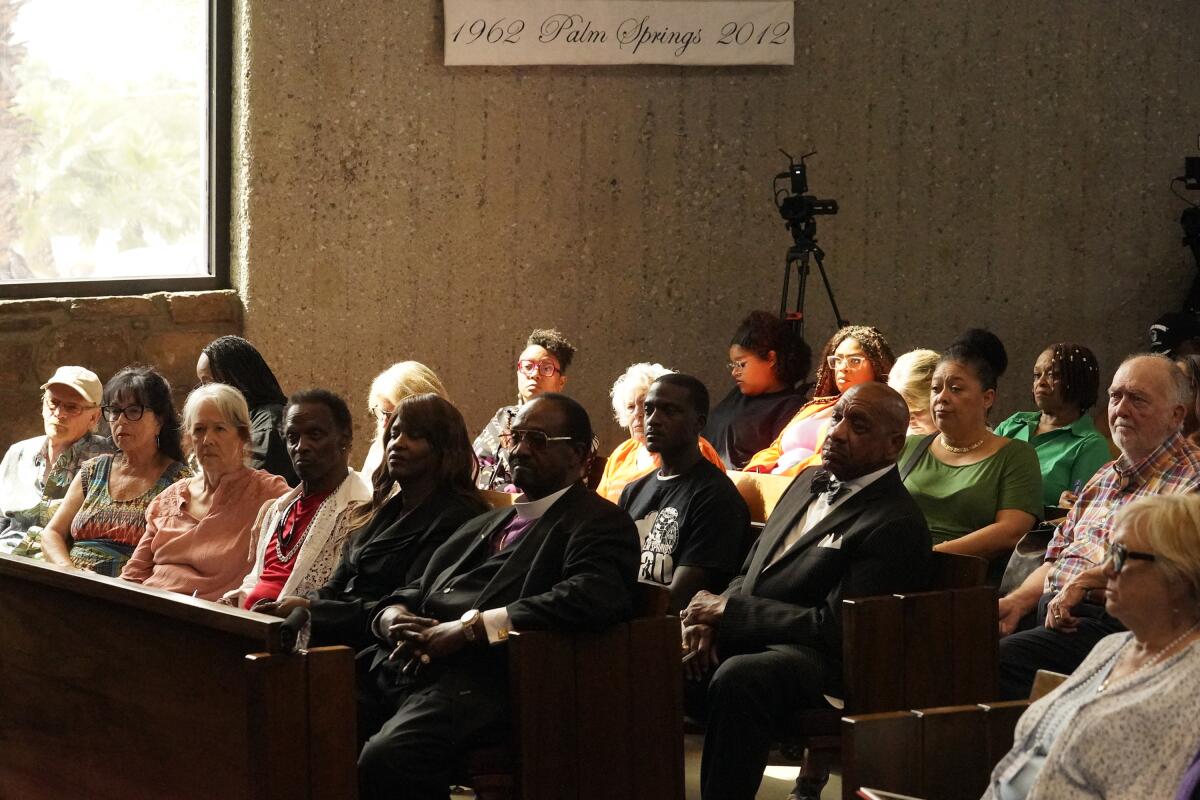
{"x":35,"y":473}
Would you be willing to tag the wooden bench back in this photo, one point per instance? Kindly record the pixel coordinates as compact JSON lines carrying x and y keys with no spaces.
{"x":599,"y":714}
{"x":113,"y":690}
{"x":946,"y":753}
{"x":922,"y":649}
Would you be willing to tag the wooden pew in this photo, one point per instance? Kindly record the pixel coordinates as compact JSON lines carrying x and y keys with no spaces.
{"x":596,"y":715}
{"x":908,"y":651}
{"x":113,"y":690}
{"x":945,"y":752}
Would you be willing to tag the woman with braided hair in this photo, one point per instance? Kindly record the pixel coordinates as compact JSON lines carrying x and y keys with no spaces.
{"x":855,"y":354}
{"x":1066,"y":383}
{"x":234,"y":361}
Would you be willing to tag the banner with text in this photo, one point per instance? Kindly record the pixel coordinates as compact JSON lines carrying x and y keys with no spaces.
{"x":687,"y":32}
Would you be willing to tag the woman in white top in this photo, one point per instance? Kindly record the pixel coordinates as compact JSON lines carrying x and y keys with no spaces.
{"x":1123,"y":726}
{"x":405,"y":379}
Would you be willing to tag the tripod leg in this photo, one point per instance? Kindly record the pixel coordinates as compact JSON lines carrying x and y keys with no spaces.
{"x":837,"y":315}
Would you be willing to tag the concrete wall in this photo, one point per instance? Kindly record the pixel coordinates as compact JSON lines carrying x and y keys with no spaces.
{"x":997,"y":164}
{"x":103,"y":334}
{"x":1001,"y":164}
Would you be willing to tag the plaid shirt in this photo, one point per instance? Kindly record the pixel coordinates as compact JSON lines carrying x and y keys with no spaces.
{"x":1082,"y":540}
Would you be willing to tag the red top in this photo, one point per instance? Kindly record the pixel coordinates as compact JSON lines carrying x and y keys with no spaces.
{"x":287,"y":537}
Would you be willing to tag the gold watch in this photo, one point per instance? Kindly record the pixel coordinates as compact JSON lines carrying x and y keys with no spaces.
{"x":469,"y":620}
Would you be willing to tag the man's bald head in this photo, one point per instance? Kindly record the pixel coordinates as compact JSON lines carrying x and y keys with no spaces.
{"x":866,"y":432}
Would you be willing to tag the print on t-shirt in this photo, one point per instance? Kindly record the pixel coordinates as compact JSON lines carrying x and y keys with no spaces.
{"x":660,"y":535}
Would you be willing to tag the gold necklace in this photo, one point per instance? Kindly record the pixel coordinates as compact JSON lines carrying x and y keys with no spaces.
{"x":958,"y":450}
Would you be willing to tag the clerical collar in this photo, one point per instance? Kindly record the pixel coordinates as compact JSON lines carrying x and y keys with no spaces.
{"x":536,"y":509}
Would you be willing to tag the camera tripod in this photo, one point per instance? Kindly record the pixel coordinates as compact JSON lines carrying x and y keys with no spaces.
{"x":798,"y":254}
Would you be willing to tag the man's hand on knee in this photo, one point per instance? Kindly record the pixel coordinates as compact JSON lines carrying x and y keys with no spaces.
{"x":705,"y":608}
{"x":700,"y":646}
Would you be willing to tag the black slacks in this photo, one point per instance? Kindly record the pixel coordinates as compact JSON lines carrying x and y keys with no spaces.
{"x":1022,"y":654}
{"x":413,"y":733}
{"x":747,"y":702}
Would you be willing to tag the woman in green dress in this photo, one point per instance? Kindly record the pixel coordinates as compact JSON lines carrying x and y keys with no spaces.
{"x":980,"y":492}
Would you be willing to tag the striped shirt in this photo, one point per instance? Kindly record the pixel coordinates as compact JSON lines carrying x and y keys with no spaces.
{"x":1081,"y":542}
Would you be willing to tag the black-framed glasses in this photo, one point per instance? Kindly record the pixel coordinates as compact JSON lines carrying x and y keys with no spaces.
{"x":1118,"y":554}
{"x":529,"y":368}
{"x":537,"y":439}
{"x":132,"y":413}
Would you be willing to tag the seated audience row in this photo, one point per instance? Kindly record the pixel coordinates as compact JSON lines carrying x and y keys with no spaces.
{"x":103,"y":515}
{"x":632,"y":459}
{"x":415,"y":571}
{"x":1147,"y":403}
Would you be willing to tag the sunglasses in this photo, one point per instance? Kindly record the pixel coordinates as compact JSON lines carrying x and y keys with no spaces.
{"x":1119,"y":554}
{"x":537,"y":439}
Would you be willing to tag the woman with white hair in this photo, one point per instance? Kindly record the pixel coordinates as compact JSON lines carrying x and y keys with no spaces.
{"x":1123,"y":725}
{"x":400,"y":380}
{"x":631,"y":460}
{"x":198,"y":531}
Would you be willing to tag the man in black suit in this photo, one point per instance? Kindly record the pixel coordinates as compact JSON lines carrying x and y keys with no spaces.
{"x":771,"y":643}
{"x":561,"y":558}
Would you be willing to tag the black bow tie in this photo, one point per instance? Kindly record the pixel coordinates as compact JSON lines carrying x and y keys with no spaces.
{"x":824,"y":483}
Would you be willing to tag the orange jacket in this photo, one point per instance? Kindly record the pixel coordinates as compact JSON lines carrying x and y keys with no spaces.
{"x":766,"y":459}
{"x":623,"y":467}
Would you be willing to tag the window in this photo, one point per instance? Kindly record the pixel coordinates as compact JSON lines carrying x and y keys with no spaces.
{"x":114,"y":146}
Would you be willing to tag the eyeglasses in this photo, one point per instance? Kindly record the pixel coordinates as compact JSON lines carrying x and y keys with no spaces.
{"x":737,"y":366}
{"x":537,"y":439}
{"x":132,"y":413}
{"x":65,"y":409}
{"x":849,"y":362}
{"x":532,"y":368}
{"x":1118,"y":554}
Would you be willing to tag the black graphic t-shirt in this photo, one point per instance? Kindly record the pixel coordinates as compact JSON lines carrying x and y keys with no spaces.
{"x":696,"y":519}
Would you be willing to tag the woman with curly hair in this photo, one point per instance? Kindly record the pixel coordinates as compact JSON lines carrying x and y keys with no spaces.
{"x":855,"y":354}
{"x":767,"y":360}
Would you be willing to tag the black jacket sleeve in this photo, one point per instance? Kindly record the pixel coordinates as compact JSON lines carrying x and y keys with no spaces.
{"x":888,"y":558}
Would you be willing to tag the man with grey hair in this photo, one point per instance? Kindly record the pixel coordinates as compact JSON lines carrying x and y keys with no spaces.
{"x":1147,"y":403}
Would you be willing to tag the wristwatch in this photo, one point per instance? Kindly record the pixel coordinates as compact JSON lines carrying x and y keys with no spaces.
{"x":469,"y":621}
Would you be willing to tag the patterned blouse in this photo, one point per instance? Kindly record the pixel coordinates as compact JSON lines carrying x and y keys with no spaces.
{"x":121,"y":521}
{"x":494,"y":472}
{"x":29,"y":493}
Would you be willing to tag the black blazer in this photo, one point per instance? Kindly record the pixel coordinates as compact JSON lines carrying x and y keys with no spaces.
{"x":389,"y":551}
{"x":575,"y":569}
{"x":884,"y":547}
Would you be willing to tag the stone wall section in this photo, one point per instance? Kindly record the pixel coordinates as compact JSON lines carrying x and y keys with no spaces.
{"x":103,"y":334}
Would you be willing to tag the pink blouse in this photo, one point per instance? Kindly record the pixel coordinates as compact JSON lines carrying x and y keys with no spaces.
{"x":210,"y":556}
